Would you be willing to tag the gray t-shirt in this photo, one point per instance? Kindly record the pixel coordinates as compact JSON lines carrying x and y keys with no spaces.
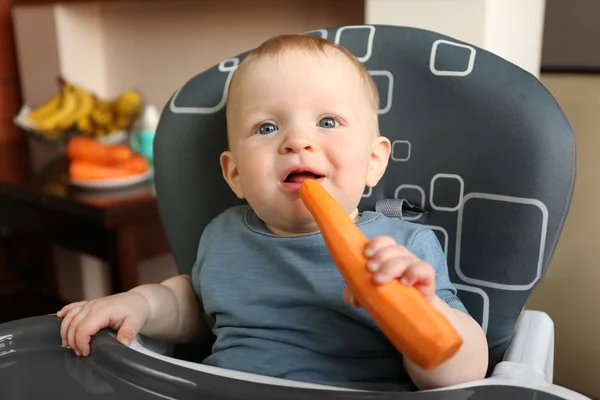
{"x":276,"y":305}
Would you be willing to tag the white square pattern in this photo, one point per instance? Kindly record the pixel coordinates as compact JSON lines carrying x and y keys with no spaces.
{"x":401,"y":150}
{"x":468,"y":68}
{"x":226,"y":66}
{"x":517,"y":200}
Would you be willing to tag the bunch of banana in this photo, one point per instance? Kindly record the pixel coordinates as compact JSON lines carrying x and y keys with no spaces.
{"x":108,"y":116}
{"x":60,"y":113}
{"x":76,"y":109}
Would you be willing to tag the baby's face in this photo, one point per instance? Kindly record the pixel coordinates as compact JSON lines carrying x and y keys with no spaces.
{"x":298,"y":116}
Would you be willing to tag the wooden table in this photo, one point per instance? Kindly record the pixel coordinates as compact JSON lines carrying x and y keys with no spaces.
{"x":120,"y":226}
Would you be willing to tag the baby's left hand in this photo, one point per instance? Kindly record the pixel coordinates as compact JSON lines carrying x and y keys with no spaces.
{"x":388,"y":260}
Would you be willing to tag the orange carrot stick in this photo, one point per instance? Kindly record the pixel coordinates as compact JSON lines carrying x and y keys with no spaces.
{"x":86,"y":170}
{"x":80,"y":148}
{"x":417,"y":329}
{"x":136,"y":163}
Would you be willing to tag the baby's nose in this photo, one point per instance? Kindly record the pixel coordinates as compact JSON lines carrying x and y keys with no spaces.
{"x":298,"y":141}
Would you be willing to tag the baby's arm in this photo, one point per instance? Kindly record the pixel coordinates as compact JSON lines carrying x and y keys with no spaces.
{"x":414,"y":267}
{"x":175,"y":313}
{"x":471,"y":361}
{"x":468,"y":364}
{"x":166,"y":311}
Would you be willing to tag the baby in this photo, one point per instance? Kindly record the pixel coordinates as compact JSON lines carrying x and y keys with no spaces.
{"x":299,"y":107}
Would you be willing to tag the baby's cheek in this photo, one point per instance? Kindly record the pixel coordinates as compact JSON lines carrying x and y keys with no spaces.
{"x":254,"y":180}
{"x":355,"y":163}
{"x":349,"y":155}
{"x":352,"y":172}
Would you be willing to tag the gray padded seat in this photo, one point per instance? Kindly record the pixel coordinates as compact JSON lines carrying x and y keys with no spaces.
{"x":482,"y":154}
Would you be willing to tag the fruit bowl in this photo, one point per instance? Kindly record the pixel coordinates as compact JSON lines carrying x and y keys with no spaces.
{"x":74,"y":110}
{"x":29,"y":127}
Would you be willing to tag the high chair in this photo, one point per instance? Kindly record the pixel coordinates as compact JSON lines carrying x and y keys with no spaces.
{"x":481,"y":153}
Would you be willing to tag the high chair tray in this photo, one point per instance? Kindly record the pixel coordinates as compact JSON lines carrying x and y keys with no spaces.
{"x":33,"y":365}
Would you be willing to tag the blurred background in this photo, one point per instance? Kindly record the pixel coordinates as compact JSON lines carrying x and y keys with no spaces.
{"x":62,"y":240}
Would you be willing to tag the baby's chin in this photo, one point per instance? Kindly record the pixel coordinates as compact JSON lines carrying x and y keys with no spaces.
{"x":293,"y":221}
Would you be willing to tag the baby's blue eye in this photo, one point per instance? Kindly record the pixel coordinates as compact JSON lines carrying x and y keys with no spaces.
{"x":328,"y":122}
{"x":265,"y":129}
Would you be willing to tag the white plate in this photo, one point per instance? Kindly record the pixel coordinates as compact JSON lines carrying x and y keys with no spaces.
{"x":111,"y":183}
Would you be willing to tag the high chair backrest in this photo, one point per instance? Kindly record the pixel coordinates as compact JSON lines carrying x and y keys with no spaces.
{"x":482,"y":154}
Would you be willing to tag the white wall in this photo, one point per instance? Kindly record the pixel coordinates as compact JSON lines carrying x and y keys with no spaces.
{"x":511,"y":29}
{"x":461,"y":19}
{"x":514,"y":30}
{"x":80,"y":35}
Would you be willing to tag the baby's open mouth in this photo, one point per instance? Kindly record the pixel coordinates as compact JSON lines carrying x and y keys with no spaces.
{"x":301,"y":176}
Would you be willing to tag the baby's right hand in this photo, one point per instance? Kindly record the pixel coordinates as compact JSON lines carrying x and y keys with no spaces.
{"x":125,"y":312}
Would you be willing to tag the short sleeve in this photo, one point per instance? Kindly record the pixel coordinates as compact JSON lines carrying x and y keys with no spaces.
{"x":426,"y":246}
{"x":205,"y":238}
{"x":195,"y":274}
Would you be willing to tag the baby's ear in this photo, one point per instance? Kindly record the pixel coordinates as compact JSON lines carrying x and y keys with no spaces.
{"x":380,"y":154}
{"x":230,"y":173}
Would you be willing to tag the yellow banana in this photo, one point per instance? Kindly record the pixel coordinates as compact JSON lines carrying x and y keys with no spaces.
{"x":128,"y":103}
{"x":101,"y":130}
{"x":85,"y":125}
{"x":68,"y":106}
{"x":122,"y":122}
{"x":45,"y":109}
{"x":101,"y":117}
{"x":85,"y":104}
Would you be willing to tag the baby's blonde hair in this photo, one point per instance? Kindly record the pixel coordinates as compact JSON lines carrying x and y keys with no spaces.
{"x":310,"y":43}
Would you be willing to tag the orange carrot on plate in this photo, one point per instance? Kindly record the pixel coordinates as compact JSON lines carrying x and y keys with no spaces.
{"x":417,"y":329}
{"x":136,"y":163}
{"x":89,"y":171}
{"x":87,"y":149}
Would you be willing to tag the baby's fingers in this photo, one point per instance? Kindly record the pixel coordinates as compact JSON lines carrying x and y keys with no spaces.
{"x":62,"y":312}
{"x":84,"y":331}
{"x":392,"y":268}
{"x":378,"y":243}
{"x":66,"y":323}
{"x":73,"y":327}
{"x":422,"y":276}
